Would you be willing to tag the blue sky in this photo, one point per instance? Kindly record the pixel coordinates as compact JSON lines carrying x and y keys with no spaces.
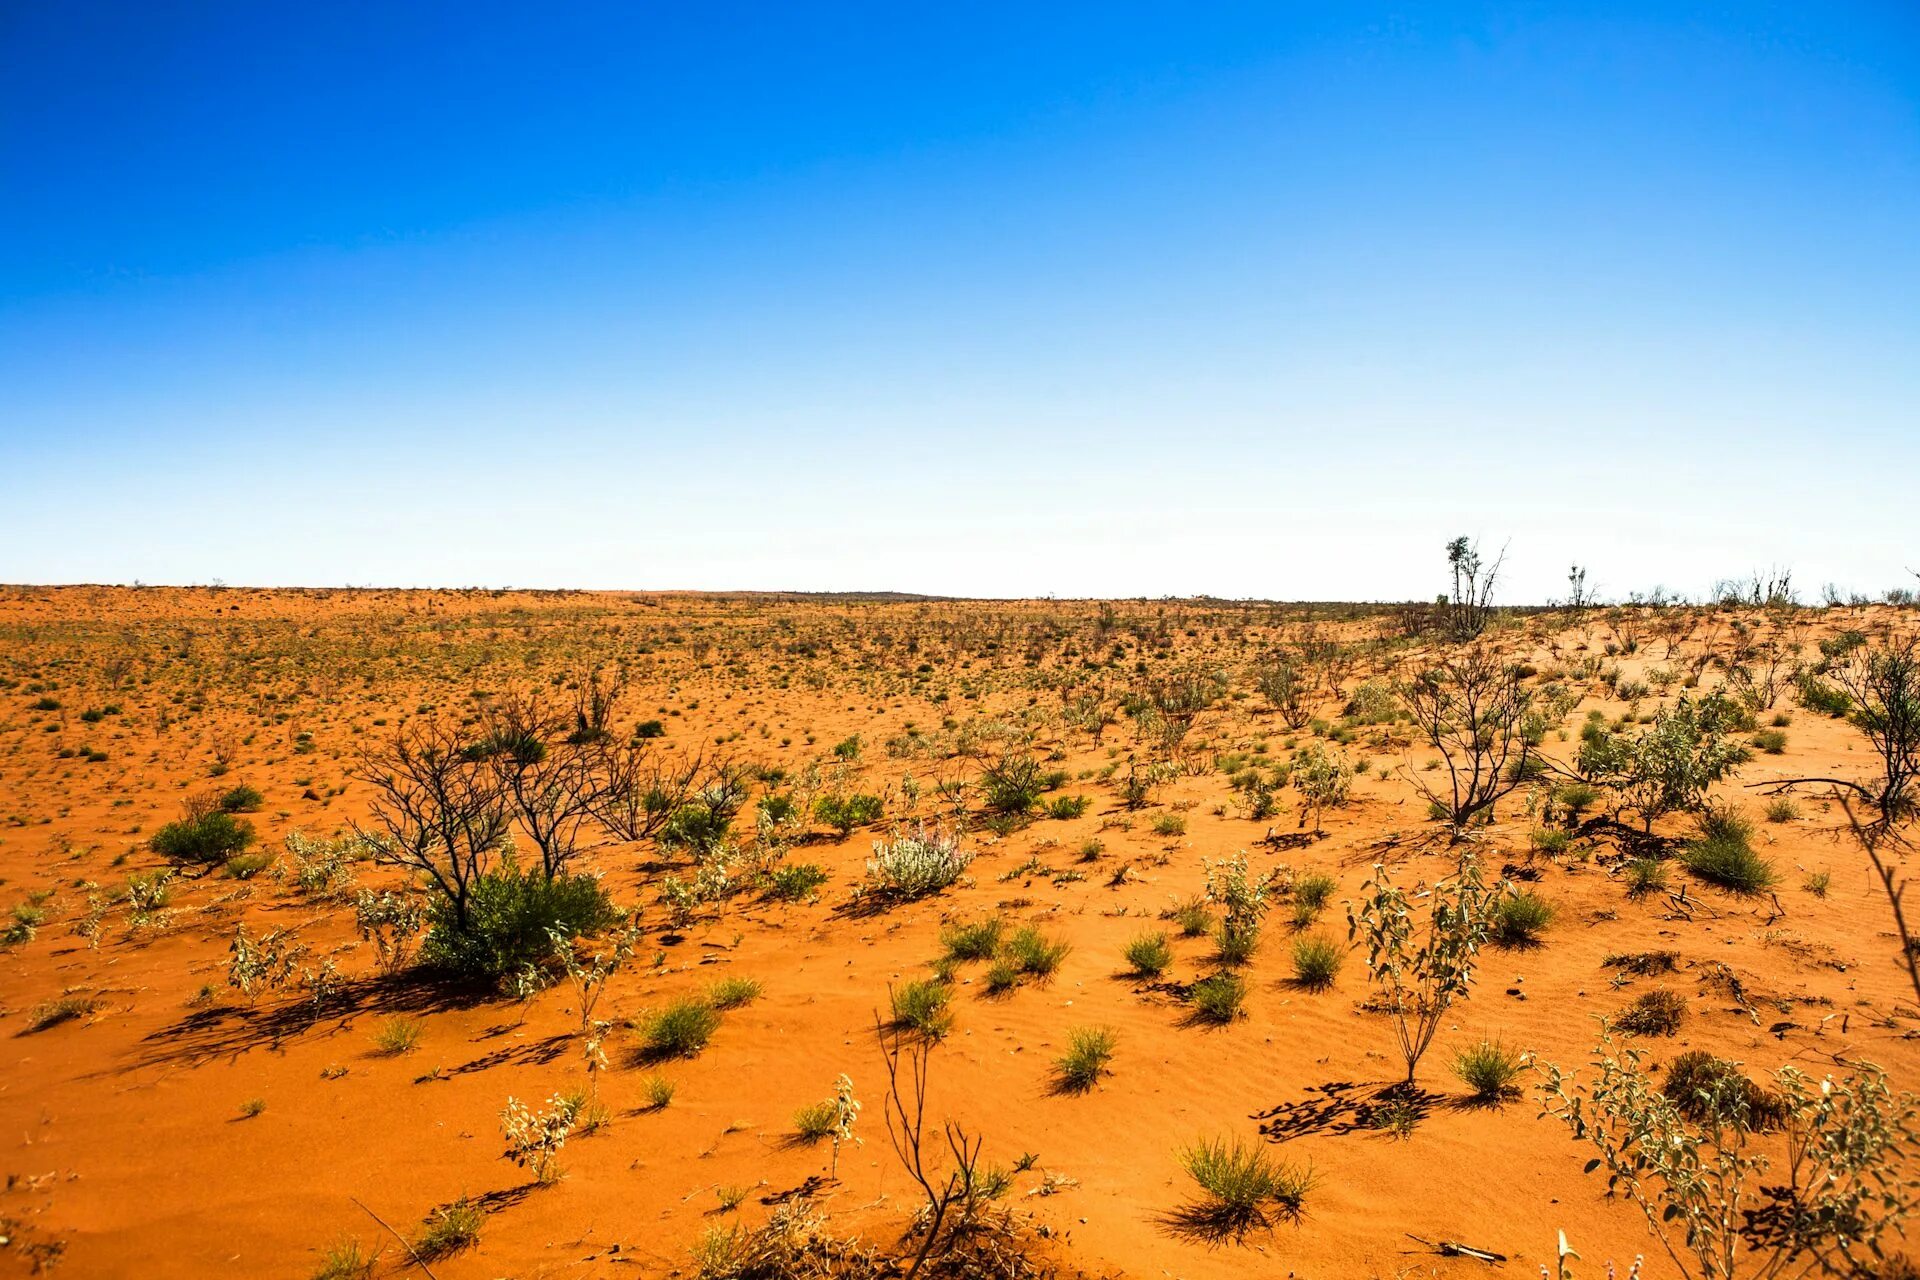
{"x":1255,"y":300}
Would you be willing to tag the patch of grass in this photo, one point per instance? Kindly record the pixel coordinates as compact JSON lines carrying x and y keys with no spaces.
{"x":1243,"y":1189}
{"x":1170,"y":825}
{"x":1643,"y":963}
{"x":449,"y":1229}
{"x":1193,"y":917}
{"x":1722,"y":854}
{"x":242,"y":799}
{"x":1089,"y":1050}
{"x":1653,"y":1013}
{"x":52,"y":1013}
{"x":1519,"y":919}
{"x":1218,"y":998}
{"x":1065,"y":808}
{"x":816,"y":1120}
{"x":658,"y":1091}
{"x":1771,"y":741}
{"x":1645,"y":876}
{"x":1035,"y":954}
{"x":397,"y":1035}
{"x":252,"y":1107}
{"x":681,"y":1030}
{"x":975,"y":941}
{"x":921,"y":1006}
{"x":1235,"y":945}
{"x":733,"y":993}
{"x":1489,"y":1069}
{"x":245,"y":866}
{"x":1311,"y":893}
{"x":1817,"y":883}
{"x":1782,"y":809}
{"x":1316,"y":961}
{"x":792,"y":882}
{"x":345,"y":1260}
{"x":1149,"y":954}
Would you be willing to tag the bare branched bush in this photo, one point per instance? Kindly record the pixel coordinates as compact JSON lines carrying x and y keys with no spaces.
{"x":1470,"y":709}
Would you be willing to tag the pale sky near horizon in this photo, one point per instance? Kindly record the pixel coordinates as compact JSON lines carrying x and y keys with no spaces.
{"x":1120,"y":299}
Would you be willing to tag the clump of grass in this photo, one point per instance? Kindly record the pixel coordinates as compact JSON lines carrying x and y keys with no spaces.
{"x":1817,"y":883}
{"x":1235,"y":944}
{"x":731,"y":1197}
{"x":1311,"y":893}
{"x":1243,"y":1189}
{"x":397,"y":1035}
{"x":1771,"y":741}
{"x":1035,"y":954}
{"x":1782,"y":809}
{"x":252,"y":1107}
{"x":1002,"y":976}
{"x":790,"y":882}
{"x":973,"y":941}
{"x":1193,"y":917}
{"x":658,"y":1091}
{"x":1721,"y":854}
{"x":1316,"y":961}
{"x":732,"y":993}
{"x":1489,"y":1069}
{"x":680,"y":1030}
{"x":245,"y":866}
{"x":1702,"y":1087}
{"x":67,"y":1008}
{"x":1219,"y":998}
{"x":1149,"y":954}
{"x":1519,"y":919}
{"x":1653,"y":1013}
{"x":1169,"y":825}
{"x":449,"y":1229}
{"x":921,"y":1006}
{"x":1645,"y":876}
{"x":1089,"y":1050}
{"x":816,"y":1120}
{"x":345,"y":1260}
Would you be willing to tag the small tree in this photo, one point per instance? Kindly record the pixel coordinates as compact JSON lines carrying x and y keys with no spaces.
{"x":1470,"y":709}
{"x":435,"y":810}
{"x":1470,"y":606}
{"x":1843,"y":1182}
{"x":1424,"y":972}
{"x":1669,"y":767}
{"x":1279,"y":679}
{"x":1883,"y":684}
{"x":541,"y":756}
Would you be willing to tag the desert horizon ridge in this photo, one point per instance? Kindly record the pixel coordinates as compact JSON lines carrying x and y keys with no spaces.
{"x":1084,"y":868}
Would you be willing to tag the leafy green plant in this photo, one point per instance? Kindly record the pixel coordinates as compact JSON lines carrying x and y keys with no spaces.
{"x":1722,"y":854}
{"x":1243,"y":1189}
{"x":1089,"y":1050}
{"x":1316,"y":961}
{"x":1218,"y":998}
{"x":1488,"y":1068}
{"x":681,"y":1030}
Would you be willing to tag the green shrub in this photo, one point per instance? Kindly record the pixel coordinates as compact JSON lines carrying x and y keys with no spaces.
{"x":1012,"y":784}
{"x":1089,"y":1050}
{"x":1644,"y":876}
{"x":1235,"y":942}
{"x":976,"y":941}
{"x":921,"y":1006}
{"x":242,"y":799}
{"x":681,"y":1030}
{"x":732,"y":993}
{"x":844,"y":813}
{"x":816,"y":1120}
{"x":791,"y":882}
{"x":245,"y":866}
{"x":1313,"y":891}
{"x":1721,"y":854}
{"x":1193,"y":917}
{"x":1032,"y":952}
{"x":449,"y":1229}
{"x":1149,"y":954}
{"x":1771,"y":741}
{"x":510,"y":916}
{"x":1243,"y":1188}
{"x":1065,"y":807}
{"x":1489,"y":1069}
{"x":1219,"y":998}
{"x":204,"y":835}
{"x":1519,"y":918}
{"x":1782,"y":809}
{"x":1169,"y":824}
{"x":1316,"y":961}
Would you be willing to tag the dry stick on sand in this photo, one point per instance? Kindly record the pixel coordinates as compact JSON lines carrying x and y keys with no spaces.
{"x":418,"y":1261}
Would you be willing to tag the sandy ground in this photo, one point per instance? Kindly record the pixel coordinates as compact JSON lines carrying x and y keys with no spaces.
{"x":128,"y":1150}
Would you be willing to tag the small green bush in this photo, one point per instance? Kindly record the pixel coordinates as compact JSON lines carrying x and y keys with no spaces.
{"x":681,"y":1030}
{"x":1089,"y":1050}
{"x":242,"y":799}
{"x":1721,"y":854}
{"x":1489,"y":1069}
{"x":1244,"y":1188}
{"x":510,"y":917}
{"x":1519,"y":919}
{"x":974,"y":941}
{"x":1219,"y":998}
{"x":1149,"y":954}
{"x":1316,"y":961}
{"x":212,"y":836}
{"x":1032,"y":952}
{"x":921,"y":1006}
{"x":1653,"y":1013}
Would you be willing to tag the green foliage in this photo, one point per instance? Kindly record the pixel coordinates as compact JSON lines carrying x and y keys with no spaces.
{"x":1723,"y":854}
{"x":975,"y":941}
{"x":1488,"y":1068}
{"x":1218,"y":998}
{"x":844,"y":813}
{"x":1012,"y":784}
{"x":791,"y":882}
{"x":1519,"y":918}
{"x":921,"y":1006}
{"x":681,"y":1030}
{"x":242,"y":799}
{"x":1243,"y":1189}
{"x":206,"y":833}
{"x":1149,"y":954}
{"x":511,"y":917}
{"x":1316,"y":961}
{"x":1653,"y":1013}
{"x":1089,"y":1050}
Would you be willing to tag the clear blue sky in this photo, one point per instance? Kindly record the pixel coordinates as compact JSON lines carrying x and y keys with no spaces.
{"x":1252,"y":299}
